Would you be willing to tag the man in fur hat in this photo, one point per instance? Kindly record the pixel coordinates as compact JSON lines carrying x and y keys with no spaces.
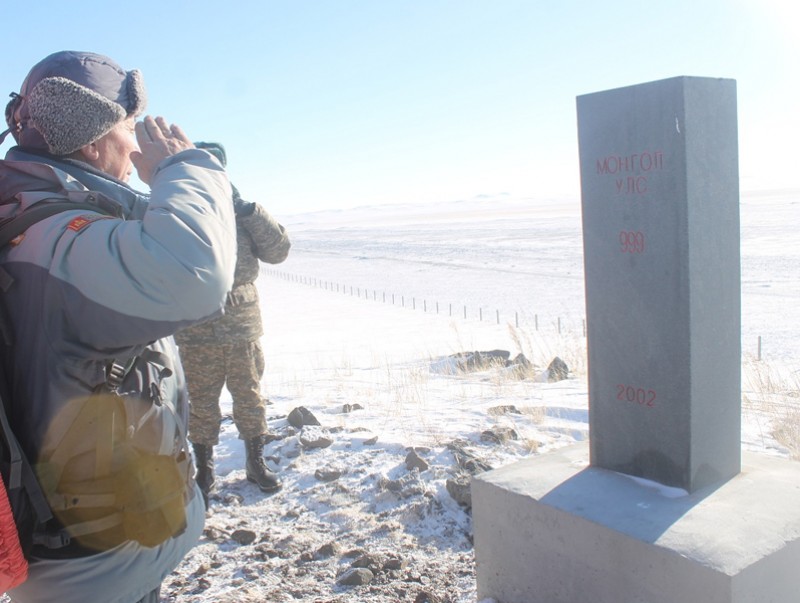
{"x":99,"y":402}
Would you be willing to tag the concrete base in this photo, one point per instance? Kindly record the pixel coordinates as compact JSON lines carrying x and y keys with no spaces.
{"x":551,"y":529}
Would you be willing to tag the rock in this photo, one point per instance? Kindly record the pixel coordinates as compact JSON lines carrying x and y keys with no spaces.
{"x":394,"y":564}
{"x":201,"y":570}
{"x":327,"y":550}
{"x":355,"y":576}
{"x":499,"y":435}
{"x":504,"y":409}
{"x":327,"y":475}
{"x":353,"y":553}
{"x":479,"y":361}
{"x":360,"y":436}
{"x":315,"y":438}
{"x":404,"y":487}
{"x":414,"y":461}
{"x":522,"y":362}
{"x":214,"y":534}
{"x":233,"y":499}
{"x":201,"y":585}
{"x":557,"y":370}
{"x":266,"y":551}
{"x":368,"y":560}
{"x":244,"y":537}
{"x":347,"y":408}
{"x":468,"y":461}
{"x":459,"y":490}
{"x":520,"y":367}
{"x":300,"y":417}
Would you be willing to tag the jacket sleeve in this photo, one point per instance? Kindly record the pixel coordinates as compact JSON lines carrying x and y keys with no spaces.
{"x":128,"y":282}
{"x":271,"y":242}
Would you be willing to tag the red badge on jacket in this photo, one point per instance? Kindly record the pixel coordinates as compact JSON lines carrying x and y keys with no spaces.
{"x":81,"y":221}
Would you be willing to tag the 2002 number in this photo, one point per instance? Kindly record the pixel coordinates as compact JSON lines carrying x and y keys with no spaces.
{"x":637,"y":395}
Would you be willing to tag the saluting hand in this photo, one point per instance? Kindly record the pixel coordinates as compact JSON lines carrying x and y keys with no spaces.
{"x":157,"y":140}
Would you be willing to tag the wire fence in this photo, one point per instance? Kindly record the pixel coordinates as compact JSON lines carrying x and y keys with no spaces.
{"x":463,"y":311}
{"x":561,"y":325}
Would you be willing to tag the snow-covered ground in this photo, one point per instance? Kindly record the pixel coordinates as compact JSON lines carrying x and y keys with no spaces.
{"x":365,"y":322}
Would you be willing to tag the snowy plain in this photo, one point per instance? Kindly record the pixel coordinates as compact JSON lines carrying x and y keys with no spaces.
{"x":367,"y":324}
{"x":364,"y":323}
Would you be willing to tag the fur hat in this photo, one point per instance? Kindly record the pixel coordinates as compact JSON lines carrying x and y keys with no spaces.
{"x":70,"y":99}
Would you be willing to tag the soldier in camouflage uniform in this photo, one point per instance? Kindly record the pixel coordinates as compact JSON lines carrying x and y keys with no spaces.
{"x":227,"y":350}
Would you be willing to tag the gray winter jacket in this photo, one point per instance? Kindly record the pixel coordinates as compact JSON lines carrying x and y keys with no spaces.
{"x":89,"y":288}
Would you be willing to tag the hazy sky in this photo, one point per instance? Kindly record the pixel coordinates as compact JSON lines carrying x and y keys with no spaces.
{"x":341,"y":103}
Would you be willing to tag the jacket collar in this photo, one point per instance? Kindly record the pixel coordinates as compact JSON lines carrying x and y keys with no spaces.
{"x":132,"y":202}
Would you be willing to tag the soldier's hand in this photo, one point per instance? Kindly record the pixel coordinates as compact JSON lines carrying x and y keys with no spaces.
{"x":243,"y":208}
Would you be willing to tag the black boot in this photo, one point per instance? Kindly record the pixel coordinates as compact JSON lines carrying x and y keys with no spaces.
{"x":256,"y":467}
{"x":204,"y":460}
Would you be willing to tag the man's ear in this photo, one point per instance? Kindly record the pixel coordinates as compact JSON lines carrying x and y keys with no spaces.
{"x":90,"y":152}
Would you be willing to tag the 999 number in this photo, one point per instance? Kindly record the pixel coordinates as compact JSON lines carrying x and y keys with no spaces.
{"x":631,"y":241}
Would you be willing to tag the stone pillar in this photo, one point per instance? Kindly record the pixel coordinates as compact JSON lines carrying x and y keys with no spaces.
{"x":661,"y":241}
{"x":660,"y":200}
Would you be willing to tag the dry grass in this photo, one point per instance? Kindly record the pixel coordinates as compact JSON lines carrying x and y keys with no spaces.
{"x":531,"y":446}
{"x":772,"y":393}
{"x":406,"y":397}
{"x":540,"y":349}
{"x":537,"y":414}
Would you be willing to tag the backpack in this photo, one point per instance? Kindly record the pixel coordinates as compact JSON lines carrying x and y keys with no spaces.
{"x":23,"y":508}
{"x":24,"y":511}
{"x":148,"y":492}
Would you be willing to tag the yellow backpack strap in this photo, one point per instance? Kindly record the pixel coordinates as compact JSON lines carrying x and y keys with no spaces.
{"x":84,"y":528}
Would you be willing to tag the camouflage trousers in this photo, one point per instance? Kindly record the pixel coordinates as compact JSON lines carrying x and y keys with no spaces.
{"x":239,"y":366}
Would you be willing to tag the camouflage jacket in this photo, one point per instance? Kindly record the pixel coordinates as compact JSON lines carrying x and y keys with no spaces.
{"x":260,"y":238}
